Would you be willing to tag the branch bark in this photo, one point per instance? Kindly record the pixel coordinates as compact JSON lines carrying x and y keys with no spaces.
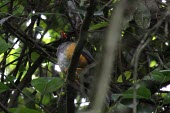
{"x":23,"y":37}
{"x":26,"y":80}
{"x":4,"y":108}
{"x":75,"y":58}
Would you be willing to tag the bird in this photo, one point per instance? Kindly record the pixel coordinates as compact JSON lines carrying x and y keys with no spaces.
{"x":64,"y":54}
{"x":84,"y":76}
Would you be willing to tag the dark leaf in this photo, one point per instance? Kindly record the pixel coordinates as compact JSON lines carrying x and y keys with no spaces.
{"x":47,"y":84}
{"x":24,"y":110}
{"x":3,"y":46}
{"x":99,"y":25}
{"x":167,"y":99}
{"x":161,"y":76}
{"x":142,"y":16}
{"x":34,"y":56}
{"x":142,"y":92}
{"x":3,"y":87}
{"x":145,"y":108}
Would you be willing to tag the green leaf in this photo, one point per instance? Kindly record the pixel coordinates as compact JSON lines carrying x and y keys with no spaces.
{"x":47,"y":84}
{"x":127,"y":75}
{"x":18,"y":11}
{"x":34,"y":56}
{"x":161,"y":76}
{"x":120,"y":108}
{"x":142,"y":92}
{"x":24,"y":110}
{"x":28,"y":98}
{"x":99,"y":25}
{"x":82,"y":2}
{"x":10,"y":78}
{"x":142,"y":16}
{"x":120,"y":80}
{"x":165,"y":72}
{"x":3,"y":87}
{"x":46,"y":99}
{"x":114,"y":97}
{"x":152,"y":63}
{"x":125,"y":23}
{"x":154,"y":38}
{"x":167,"y":99}
{"x":145,"y":108}
{"x":3,"y":46}
{"x":22,"y":68}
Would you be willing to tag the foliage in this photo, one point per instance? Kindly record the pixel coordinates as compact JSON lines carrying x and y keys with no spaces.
{"x":30,"y":34}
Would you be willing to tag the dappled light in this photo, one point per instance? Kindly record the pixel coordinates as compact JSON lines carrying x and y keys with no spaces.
{"x":84,"y":56}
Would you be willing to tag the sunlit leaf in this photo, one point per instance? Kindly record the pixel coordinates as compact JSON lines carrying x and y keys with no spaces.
{"x":47,"y":39}
{"x":127,"y":76}
{"x":154,"y":38}
{"x":120,"y":80}
{"x":152,"y":63}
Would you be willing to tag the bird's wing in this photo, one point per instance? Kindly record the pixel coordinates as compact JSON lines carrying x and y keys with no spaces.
{"x":88,"y":56}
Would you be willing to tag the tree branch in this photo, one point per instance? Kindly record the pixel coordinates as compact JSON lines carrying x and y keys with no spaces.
{"x":75,"y":58}
{"x":4,"y":108}
{"x":29,"y":42}
{"x":26,"y":80}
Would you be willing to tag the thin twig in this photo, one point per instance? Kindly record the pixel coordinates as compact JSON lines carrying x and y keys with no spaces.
{"x":28,"y":97}
{"x":106,"y":5}
{"x":135,"y":60}
{"x":135,"y":72}
{"x":25,"y":81}
{"x":4,"y":108}
{"x":28,"y":41}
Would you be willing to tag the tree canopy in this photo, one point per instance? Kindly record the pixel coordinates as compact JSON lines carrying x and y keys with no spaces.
{"x":129,"y":40}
